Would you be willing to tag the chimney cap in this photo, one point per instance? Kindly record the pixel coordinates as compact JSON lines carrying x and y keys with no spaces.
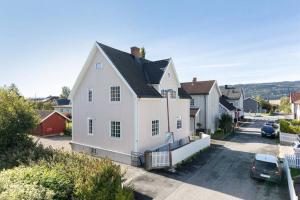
{"x":195,"y":79}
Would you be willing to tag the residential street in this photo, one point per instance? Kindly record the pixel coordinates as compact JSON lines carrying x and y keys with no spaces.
{"x":221,"y":173}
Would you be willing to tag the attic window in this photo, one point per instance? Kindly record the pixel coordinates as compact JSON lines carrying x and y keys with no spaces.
{"x":169,"y":75}
{"x":98,"y":66}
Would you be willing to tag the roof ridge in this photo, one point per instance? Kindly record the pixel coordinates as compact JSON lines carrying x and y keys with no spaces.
{"x":200,"y":81}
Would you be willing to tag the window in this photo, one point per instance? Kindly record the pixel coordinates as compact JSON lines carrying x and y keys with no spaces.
{"x":179,"y":123}
{"x":90,"y":127}
{"x":164,"y":93}
{"x":155,"y":127}
{"x":90,"y":95}
{"x":173,"y":94}
{"x":115,"y":93}
{"x":98,"y":65}
{"x":192,"y":103}
{"x":115,"y":129}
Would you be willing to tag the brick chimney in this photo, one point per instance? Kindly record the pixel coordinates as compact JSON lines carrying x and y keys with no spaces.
{"x":136,"y":52}
{"x":195,"y":79}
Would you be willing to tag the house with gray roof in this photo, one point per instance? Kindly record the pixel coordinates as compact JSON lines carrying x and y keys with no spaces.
{"x":252,"y":106}
{"x":123,"y":104}
{"x":235,"y":96}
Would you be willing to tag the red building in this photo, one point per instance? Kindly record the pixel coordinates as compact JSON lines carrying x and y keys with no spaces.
{"x":52,"y":123}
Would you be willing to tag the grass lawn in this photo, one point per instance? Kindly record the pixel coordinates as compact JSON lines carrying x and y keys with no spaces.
{"x":294,"y":172}
{"x":220,"y":136}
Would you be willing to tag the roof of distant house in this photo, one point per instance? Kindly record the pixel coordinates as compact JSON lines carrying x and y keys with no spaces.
{"x":231,"y":93}
{"x":226,"y":104}
{"x":251,"y":99}
{"x":183,"y":94}
{"x":138,"y":72}
{"x":62,"y":101}
{"x":44,"y":114}
{"x":198,"y":87}
{"x":295,"y":96}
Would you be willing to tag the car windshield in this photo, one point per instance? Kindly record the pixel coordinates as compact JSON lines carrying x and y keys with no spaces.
{"x":262,"y":165}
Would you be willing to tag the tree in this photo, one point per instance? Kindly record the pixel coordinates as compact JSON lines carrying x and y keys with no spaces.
{"x":17,"y":117}
{"x":65,"y":92}
{"x":285,"y":105}
{"x":264,"y":104}
{"x":226,"y":123}
{"x":12,"y":88}
{"x":143,"y":52}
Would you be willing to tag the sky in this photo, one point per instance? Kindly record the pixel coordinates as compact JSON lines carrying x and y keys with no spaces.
{"x":44,"y":44}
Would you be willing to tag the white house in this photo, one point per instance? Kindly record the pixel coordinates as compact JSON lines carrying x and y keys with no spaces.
{"x":227,"y":108}
{"x":120,"y":106}
{"x":295,"y":104}
{"x":236,"y":97}
{"x":205,"y":97}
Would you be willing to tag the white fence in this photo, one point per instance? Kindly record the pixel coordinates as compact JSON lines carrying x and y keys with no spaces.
{"x":292,"y":192}
{"x":186,"y":151}
{"x":288,"y":138}
{"x":160,"y":159}
{"x":293,"y":160}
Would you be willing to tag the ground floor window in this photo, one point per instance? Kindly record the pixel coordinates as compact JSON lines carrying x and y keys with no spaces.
{"x":155,"y":127}
{"x":179,"y":123}
{"x":115,"y":129}
{"x":90,"y":127}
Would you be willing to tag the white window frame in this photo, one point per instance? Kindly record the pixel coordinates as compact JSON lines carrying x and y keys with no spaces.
{"x":110,"y":130}
{"x":92,"y":95}
{"x":110,"y":93}
{"x":98,"y":66}
{"x":179,"y":120}
{"x":155,"y":130}
{"x":164,"y":93}
{"x":192,"y":103}
{"x":88,"y":126}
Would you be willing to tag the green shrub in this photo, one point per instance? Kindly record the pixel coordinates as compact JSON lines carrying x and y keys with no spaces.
{"x":219,"y":131}
{"x":226,"y":123}
{"x":295,"y":122}
{"x":69,"y":176}
{"x":287,"y":127}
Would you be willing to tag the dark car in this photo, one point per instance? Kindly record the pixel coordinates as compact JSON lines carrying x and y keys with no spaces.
{"x":269,"y":131}
{"x":266,"y":167}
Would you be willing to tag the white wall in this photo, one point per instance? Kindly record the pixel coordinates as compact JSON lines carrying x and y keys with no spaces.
{"x":213,"y":108}
{"x":156,"y":109}
{"x":199,"y":102}
{"x":102,"y":110}
{"x":169,"y":80}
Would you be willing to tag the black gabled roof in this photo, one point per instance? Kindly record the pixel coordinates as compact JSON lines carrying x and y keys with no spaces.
{"x":226,"y":104}
{"x":183,"y":94}
{"x":138,"y":72}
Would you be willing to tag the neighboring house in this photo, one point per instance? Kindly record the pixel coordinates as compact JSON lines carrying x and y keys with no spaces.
{"x":51,"y":123}
{"x":63,"y":106}
{"x":227,"y":108}
{"x":236,"y":97}
{"x":205,"y":96}
{"x":120,"y":106}
{"x":251,"y":105}
{"x":295,"y":104}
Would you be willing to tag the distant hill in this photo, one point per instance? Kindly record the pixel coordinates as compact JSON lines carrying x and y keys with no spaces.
{"x":274,"y":90}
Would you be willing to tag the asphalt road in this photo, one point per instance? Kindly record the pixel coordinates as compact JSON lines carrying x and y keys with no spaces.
{"x":220,"y":173}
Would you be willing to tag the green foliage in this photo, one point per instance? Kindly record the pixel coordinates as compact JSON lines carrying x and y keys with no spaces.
{"x":17,"y":117}
{"x":68,"y":130}
{"x":143,"y":52}
{"x":295,"y":122}
{"x":219,"y":131}
{"x":65,"y":92}
{"x":43,"y":105}
{"x":70,"y":176}
{"x":226,"y":123}
{"x":265,"y":104}
{"x":285,"y":105}
{"x":287,"y":127}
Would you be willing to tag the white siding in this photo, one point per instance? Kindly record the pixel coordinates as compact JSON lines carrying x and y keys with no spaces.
{"x":156,"y":109}
{"x":102,"y":110}
{"x":213,"y":108}
{"x":169,"y":80}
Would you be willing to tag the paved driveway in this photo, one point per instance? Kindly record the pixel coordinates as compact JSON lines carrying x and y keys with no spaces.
{"x":220,"y":173}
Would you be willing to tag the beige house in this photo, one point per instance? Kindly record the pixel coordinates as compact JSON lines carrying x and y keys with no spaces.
{"x":120,"y":104}
{"x":205,"y":97}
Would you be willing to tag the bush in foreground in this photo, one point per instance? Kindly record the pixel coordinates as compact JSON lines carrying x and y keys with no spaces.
{"x":288,"y":127}
{"x":65,"y":176}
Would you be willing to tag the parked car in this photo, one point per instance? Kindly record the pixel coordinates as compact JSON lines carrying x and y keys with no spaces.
{"x":273,"y":124}
{"x":270,"y":131}
{"x":266,"y":167}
